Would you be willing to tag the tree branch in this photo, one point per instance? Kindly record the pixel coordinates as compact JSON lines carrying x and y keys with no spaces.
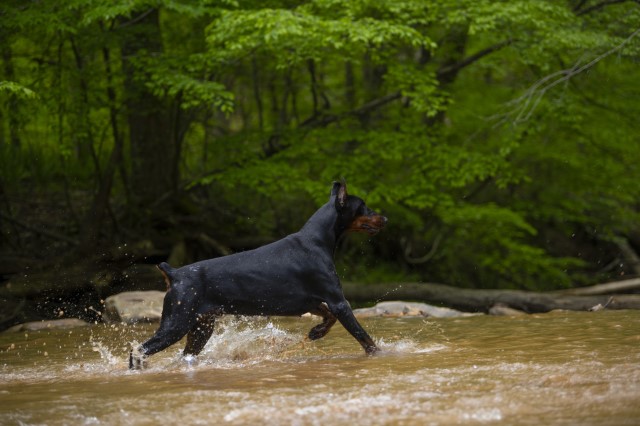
{"x":528,"y":102}
{"x":320,"y":120}
{"x":136,"y":19}
{"x":578,"y":6}
{"x":43,"y":232}
{"x":326,"y":119}
{"x":473,"y":300}
{"x":423,"y":259}
{"x":598,"y":6}
{"x":453,"y":69}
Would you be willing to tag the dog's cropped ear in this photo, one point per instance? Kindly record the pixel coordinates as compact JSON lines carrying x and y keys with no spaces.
{"x":334,"y":189}
{"x":339,"y":191}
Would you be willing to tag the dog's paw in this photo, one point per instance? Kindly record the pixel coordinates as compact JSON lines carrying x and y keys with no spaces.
{"x":372,"y":350}
{"x":137,"y":361}
{"x":315,"y":334}
{"x":190,"y":360}
{"x":318,"y":332}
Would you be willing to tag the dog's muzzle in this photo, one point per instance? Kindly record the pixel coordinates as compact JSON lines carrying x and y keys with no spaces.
{"x":371,"y":224}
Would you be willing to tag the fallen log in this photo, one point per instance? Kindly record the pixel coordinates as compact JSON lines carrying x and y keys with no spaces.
{"x":473,"y":300}
{"x":615,"y":287}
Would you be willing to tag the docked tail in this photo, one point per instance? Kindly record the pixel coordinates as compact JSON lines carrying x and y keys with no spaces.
{"x":167,"y":272}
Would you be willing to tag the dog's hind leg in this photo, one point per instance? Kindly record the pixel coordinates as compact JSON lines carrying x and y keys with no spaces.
{"x":178,"y":317}
{"x":328,"y":320}
{"x":167,"y":334}
{"x":199,"y":334}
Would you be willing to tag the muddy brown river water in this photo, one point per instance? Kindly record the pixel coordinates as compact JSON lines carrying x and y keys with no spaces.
{"x":562,"y":368}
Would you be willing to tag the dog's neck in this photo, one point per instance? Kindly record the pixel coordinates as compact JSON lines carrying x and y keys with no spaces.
{"x":321,"y":226}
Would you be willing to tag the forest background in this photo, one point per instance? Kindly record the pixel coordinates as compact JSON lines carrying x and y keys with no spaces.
{"x":501,"y":138}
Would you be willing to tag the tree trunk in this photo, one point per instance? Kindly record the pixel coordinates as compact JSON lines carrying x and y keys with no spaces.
{"x":482,"y":300}
{"x":349,"y":86}
{"x":151,"y":124}
{"x":12,"y":110}
{"x":624,"y":286}
{"x":631,"y":257}
{"x":97,"y":212}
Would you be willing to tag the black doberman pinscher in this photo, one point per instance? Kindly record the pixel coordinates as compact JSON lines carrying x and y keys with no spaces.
{"x":289,"y":277}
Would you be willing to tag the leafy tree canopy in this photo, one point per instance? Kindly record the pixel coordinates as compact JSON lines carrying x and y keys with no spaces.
{"x":499,"y":136}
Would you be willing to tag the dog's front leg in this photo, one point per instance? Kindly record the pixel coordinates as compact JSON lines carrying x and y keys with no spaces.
{"x":343,"y":312}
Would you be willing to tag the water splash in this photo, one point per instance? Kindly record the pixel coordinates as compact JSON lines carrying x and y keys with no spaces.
{"x":105,"y":353}
{"x":242,"y":340}
{"x":408,"y":346}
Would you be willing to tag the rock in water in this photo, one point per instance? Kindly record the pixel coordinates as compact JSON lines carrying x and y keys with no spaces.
{"x":134,"y":306}
{"x":407,"y":309}
{"x":48,"y":325}
{"x":500,"y":309}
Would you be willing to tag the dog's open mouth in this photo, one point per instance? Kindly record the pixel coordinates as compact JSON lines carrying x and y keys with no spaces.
{"x":371,"y":230}
{"x":369,"y":224}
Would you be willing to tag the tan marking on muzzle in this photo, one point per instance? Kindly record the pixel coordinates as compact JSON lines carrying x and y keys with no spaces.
{"x":369,"y":224}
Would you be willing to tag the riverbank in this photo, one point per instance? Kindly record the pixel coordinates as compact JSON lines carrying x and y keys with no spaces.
{"x":92,"y":302}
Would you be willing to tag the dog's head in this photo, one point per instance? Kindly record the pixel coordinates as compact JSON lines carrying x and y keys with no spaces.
{"x":353,"y":213}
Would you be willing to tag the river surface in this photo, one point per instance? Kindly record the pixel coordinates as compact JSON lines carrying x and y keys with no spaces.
{"x":562,"y":368}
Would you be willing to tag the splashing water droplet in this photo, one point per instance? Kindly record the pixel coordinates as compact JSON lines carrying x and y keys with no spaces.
{"x":105,"y":353}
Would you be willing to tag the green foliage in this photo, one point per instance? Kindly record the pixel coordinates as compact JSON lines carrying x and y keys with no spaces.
{"x":480,"y":127}
{"x":297,"y":35}
{"x":502,"y":233}
{"x":173,"y":79}
{"x":17,"y":89}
